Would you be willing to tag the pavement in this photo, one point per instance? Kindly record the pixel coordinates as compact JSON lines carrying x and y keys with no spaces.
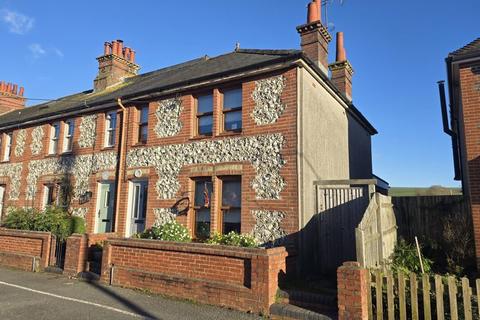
{"x":38,"y":296}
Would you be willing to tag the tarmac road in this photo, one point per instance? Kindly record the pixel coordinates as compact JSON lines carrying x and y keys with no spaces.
{"x":37,"y":296}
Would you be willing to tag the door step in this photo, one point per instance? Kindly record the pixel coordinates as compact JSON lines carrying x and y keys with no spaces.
{"x":282,"y":311}
{"x":316,"y":302}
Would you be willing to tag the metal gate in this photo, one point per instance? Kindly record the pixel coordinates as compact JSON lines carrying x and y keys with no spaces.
{"x":57,"y":254}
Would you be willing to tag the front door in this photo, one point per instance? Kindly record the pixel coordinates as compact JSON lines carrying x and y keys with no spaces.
{"x":138,"y":206}
{"x":2,"y":193}
{"x":106,"y":192}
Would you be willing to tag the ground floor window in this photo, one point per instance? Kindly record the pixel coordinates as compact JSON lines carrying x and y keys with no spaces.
{"x":49,"y":195}
{"x":231,"y":204}
{"x":202,"y":207}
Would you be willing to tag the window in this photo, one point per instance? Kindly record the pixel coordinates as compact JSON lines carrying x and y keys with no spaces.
{"x":63,"y":197}
{"x":232,"y":110}
{"x":68,"y":136}
{"x":203,"y":193}
{"x":49,"y":195}
{"x":110,"y":126}
{"x":8,"y":147}
{"x":143,"y":124}
{"x":54,"y":135}
{"x":205,"y":115}
{"x":231,"y":204}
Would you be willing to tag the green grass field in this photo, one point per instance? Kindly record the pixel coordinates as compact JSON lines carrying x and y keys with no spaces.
{"x":431,"y":191}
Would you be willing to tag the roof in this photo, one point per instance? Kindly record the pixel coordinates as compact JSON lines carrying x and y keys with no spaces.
{"x":187,"y":73}
{"x":470,"y":50}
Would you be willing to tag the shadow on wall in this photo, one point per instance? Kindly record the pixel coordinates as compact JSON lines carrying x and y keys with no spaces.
{"x":326,"y":241}
{"x":359,"y":151}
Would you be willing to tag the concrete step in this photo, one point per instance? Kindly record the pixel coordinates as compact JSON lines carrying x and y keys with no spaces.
{"x":318,"y":302}
{"x":281,"y":311}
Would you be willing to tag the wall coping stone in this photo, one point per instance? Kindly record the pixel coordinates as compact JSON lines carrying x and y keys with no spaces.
{"x":211,"y":249}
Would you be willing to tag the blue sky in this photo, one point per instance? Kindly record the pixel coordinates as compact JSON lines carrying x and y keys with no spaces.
{"x":397,"y":49}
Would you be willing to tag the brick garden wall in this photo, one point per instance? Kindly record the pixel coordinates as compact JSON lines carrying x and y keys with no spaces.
{"x":26,"y":250}
{"x":240,"y":278}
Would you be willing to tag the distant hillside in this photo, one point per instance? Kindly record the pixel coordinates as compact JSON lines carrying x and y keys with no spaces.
{"x":431,"y":191}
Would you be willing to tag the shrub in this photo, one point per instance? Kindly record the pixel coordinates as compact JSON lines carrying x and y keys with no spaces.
{"x":233,"y":239}
{"x":19,"y":218}
{"x":172,"y":231}
{"x":405,"y":259}
{"x":78,"y":225}
{"x":52,"y":219}
{"x":55,"y":220}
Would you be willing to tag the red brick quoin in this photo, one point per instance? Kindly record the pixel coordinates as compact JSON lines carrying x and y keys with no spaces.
{"x":352,"y":292}
{"x":245,"y":279}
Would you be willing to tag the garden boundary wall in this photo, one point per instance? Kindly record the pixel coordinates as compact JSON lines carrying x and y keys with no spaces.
{"x":25,"y":250}
{"x":245,"y":279}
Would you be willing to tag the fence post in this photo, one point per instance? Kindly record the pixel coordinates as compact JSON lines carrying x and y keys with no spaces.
{"x":352,"y":292}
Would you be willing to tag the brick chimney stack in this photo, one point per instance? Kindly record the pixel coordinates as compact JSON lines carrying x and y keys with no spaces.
{"x":315,"y":37}
{"x":342,"y":70}
{"x":11,"y":97}
{"x":116,"y":64}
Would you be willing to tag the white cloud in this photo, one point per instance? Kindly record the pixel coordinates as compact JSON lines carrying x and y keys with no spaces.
{"x":58,"y":52}
{"x":17,"y":23}
{"x":37,"y":50}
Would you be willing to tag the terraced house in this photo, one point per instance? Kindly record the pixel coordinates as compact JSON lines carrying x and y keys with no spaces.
{"x":226,"y":143}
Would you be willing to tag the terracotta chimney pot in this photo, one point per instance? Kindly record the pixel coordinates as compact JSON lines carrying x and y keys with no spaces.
{"x":15,"y":89}
{"x":21,"y":91}
{"x":114,"y":47}
{"x":312,"y":12}
{"x":106,"y":48}
{"x":119,"y":48}
{"x":132,"y":56}
{"x":341,"y":53}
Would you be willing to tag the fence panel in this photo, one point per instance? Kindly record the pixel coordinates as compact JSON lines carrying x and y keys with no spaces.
{"x":340,"y":209}
{"x":403,"y":301}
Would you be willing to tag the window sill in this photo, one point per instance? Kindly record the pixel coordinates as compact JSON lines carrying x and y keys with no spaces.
{"x":230,"y":133}
{"x":108,"y":148}
{"x":201,"y":137}
{"x":5,"y":161}
{"x":66,"y":153}
{"x":139,"y":144}
{"x":51,"y":155}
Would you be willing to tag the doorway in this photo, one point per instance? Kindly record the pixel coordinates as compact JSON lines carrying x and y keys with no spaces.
{"x":105,"y":203}
{"x":138,"y":192}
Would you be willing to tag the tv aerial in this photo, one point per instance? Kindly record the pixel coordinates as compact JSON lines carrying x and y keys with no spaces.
{"x":325,"y":5}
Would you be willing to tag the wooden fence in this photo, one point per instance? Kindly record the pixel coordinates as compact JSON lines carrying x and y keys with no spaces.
{"x":376,"y":235}
{"x":403,"y":296}
{"x":340,"y":207}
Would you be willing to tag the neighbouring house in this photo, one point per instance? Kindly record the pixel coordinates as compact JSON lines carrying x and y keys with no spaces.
{"x":463,"y":74}
{"x":227,"y":143}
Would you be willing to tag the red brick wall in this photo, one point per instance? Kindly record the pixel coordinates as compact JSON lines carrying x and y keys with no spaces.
{"x":352,"y":292}
{"x":19,"y":248}
{"x":470,"y":90}
{"x":240,"y":278}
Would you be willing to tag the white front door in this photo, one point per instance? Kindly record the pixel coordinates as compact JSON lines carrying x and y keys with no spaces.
{"x":138,"y":207}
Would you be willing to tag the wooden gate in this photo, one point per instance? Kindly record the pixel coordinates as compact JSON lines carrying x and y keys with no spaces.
{"x":376,"y":234}
{"x":340,"y":208}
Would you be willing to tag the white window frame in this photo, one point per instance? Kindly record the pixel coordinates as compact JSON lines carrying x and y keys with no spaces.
{"x":109,"y":130}
{"x":67,"y":137}
{"x":46,"y":189}
{"x":8,"y":146}
{"x":53,"y":145}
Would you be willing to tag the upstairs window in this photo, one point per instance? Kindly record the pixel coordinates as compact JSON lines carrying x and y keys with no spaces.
{"x":143,"y":124}
{"x":68,"y":136}
{"x":8,"y":147}
{"x":110,"y":127}
{"x":204,"y":115}
{"x":232,"y":110}
{"x":231,"y":204}
{"x":54,"y":135}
